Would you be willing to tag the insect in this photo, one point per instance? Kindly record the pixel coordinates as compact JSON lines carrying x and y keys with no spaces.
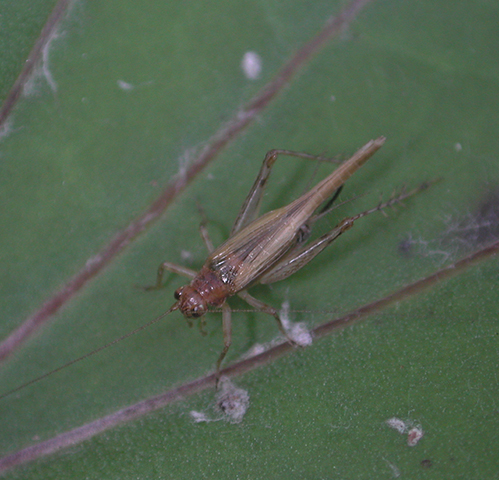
{"x":262,"y":250}
{"x":265,"y":249}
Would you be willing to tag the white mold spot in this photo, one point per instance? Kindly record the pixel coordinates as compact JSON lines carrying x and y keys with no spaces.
{"x":6,"y":129}
{"x":397,"y":424}
{"x":92,"y":261}
{"x":458,"y":147}
{"x":185,"y":255}
{"x":233,"y":402}
{"x":125,"y":85}
{"x":199,"y":417}
{"x":414,"y":436}
{"x":414,"y":431}
{"x":256,"y":349}
{"x":45,"y":63}
{"x":42,"y":70}
{"x":301,"y":335}
{"x":395,"y":470}
{"x":184,"y":161}
{"x":251,"y":65}
{"x":298,"y":332}
{"x":425,"y":248}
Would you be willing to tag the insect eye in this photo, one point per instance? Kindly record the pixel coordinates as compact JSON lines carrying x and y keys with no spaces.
{"x":177,"y":294}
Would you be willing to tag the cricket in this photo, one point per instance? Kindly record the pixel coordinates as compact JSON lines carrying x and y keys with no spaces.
{"x":268,"y":248}
{"x":260,"y":249}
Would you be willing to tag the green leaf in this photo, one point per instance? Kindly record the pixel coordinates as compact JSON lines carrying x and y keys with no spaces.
{"x":127,"y":96}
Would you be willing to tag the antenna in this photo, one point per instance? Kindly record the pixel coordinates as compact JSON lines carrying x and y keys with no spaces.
{"x":89,"y":354}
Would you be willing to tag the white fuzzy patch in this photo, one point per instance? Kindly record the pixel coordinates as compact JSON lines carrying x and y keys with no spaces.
{"x":251,"y":65}
{"x":414,"y":432}
{"x":298,"y":332}
{"x":125,"y":85}
{"x":199,"y":417}
{"x":414,"y":436}
{"x":232,"y":401}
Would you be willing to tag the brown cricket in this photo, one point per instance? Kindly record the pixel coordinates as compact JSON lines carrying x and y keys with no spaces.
{"x":259,"y":250}
{"x":266,"y":249}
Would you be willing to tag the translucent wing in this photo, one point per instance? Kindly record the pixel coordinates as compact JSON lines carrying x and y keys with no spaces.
{"x":253,"y":250}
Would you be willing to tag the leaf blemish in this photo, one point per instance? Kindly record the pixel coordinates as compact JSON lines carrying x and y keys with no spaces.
{"x":298,"y":332}
{"x":411,"y":246}
{"x":232,"y":401}
{"x":480,"y":227}
{"x":414,"y":436}
{"x":414,"y":432}
{"x":42,"y":70}
{"x":251,"y":65}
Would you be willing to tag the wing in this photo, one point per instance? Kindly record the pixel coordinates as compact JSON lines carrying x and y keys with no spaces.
{"x":253,"y":250}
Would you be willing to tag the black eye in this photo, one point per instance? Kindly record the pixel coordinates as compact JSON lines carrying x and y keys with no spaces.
{"x":177,"y":294}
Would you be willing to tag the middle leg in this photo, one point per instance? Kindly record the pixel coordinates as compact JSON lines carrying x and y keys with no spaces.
{"x":227,"y":331}
{"x":263,"y":307}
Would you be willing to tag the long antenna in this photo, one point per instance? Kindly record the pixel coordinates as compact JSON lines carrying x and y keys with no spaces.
{"x":93,"y":352}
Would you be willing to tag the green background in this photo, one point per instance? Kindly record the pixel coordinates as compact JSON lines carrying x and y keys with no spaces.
{"x":81,"y":161}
